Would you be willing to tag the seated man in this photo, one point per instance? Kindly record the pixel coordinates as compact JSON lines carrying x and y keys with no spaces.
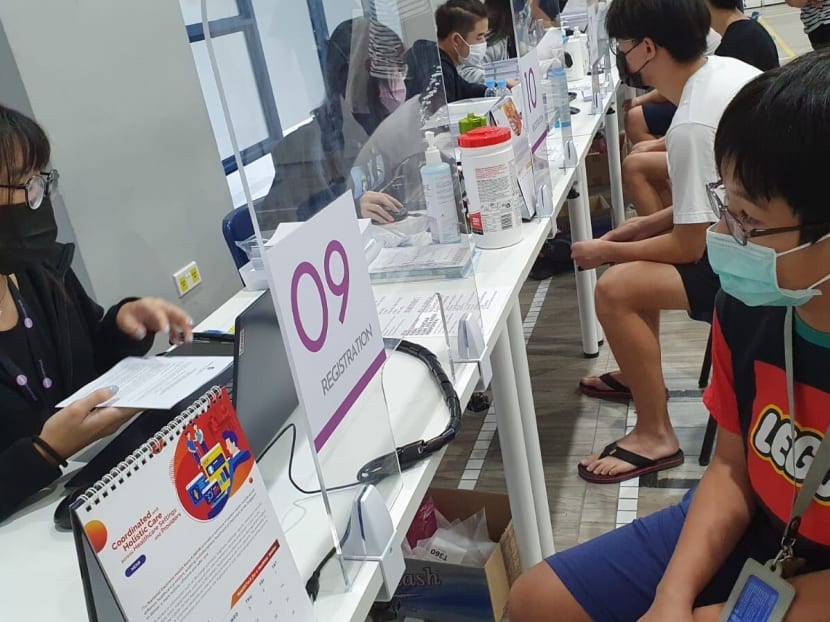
{"x":648,"y":116}
{"x":682,"y":562}
{"x":662,"y":258}
{"x":645,"y":173}
{"x":462,"y":31}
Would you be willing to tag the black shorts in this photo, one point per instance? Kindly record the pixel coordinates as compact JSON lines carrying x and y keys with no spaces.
{"x":658,"y":117}
{"x":701,"y":285}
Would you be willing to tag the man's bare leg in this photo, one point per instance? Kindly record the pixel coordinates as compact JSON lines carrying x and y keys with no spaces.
{"x":629,"y":298}
{"x":636,"y":129}
{"x":645,"y":181}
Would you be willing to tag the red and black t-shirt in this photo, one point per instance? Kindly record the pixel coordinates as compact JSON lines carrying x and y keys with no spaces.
{"x":748,"y":396}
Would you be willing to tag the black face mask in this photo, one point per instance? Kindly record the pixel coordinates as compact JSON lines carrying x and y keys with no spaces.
{"x":634,"y":79}
{"x":27,"y":236}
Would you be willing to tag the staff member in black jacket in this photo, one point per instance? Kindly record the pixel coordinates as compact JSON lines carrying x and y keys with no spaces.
{"x":53,"y":337}
{"x":462,"y":32}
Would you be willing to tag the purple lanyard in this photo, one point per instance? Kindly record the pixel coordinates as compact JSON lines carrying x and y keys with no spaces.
{"x":22,"y":381}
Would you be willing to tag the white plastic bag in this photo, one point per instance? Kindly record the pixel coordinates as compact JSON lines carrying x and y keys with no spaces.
{"x":465,"y":543}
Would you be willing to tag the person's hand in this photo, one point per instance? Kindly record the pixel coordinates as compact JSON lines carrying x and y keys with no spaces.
{"x":631,"y":230}
{"x":154,"y":315}
{"x":645,"y":146}
{"x":71,"y":429}
{"x":659,"y":613}
{"x":512,"y":83}
{"x":590,"y":253}
{"x":377,"y":205}
{"x":666,"y":610}
{"x":628,"y":104}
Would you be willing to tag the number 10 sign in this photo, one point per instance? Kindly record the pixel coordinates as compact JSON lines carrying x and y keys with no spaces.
{"x":327,"y":314}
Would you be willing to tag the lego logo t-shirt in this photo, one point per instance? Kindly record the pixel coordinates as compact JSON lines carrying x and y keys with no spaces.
{"x":748,"y":396}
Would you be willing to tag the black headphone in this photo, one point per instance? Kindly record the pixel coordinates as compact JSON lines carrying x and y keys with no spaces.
{"x":414,"y":452}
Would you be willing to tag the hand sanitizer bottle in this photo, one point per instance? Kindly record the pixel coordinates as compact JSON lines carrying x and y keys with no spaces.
{"x":439,"y":196}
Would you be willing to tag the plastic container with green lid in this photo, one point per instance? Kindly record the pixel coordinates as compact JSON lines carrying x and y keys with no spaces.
{"x":471,"y":122}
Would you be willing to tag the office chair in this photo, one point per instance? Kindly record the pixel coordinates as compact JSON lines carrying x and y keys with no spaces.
{"x":237,"y":226}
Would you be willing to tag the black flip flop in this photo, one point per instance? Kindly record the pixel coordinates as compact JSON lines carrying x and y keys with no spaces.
{"x":643,"y":465}
{"x":616,"y":391}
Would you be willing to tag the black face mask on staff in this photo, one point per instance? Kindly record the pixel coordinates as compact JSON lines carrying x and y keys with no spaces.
{"x":27,"y":236}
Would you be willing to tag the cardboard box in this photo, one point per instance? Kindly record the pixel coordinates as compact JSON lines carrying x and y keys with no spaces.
{"x":433,"y":590}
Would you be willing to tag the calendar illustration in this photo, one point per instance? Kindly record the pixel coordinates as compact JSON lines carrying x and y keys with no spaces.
{"x":184,"y":530}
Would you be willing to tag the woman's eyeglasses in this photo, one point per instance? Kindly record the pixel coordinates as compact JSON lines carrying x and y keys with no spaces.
{"x":37,"y":187}
{"x":716,"y":192}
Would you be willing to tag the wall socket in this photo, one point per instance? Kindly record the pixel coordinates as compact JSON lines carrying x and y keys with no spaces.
{"x":187,"y":278}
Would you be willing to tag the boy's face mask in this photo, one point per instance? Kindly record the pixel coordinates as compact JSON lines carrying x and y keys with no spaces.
{"x":749,"y":273}
{"x":634,"y":79}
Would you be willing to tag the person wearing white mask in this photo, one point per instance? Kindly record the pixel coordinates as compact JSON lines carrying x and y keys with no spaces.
{"x":501,"y":42}
{"x":462,"y":27}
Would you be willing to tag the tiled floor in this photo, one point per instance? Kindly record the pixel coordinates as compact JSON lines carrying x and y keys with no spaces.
{"x":570,"y":425}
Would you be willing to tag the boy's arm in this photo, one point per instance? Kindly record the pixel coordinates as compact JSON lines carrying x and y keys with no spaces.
{"x":810,"y":604}
{"x":652,"y":97}
{"x":683,"y":244}
{"x":718,"y":516}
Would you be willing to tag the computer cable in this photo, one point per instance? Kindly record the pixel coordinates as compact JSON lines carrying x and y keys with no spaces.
{"x":412,"y":453}
{"x":408,"y":455}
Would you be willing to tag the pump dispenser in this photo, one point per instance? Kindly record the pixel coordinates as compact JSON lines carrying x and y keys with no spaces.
{"x":439,"y":195}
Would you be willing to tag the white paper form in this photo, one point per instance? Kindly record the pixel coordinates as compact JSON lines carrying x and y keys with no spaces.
{"x":417,"y":314}
{"x":155,"y":382}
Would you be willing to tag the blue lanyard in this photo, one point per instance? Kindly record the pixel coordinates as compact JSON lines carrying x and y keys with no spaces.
{"x":21,"y":380}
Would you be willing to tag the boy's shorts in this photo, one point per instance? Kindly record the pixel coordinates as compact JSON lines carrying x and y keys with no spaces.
{"x":614,"y":577}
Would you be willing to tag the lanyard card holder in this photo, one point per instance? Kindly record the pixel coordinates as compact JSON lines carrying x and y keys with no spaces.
{"x":760,"y":595}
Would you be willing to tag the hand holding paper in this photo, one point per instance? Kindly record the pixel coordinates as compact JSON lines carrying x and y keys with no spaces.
{"x":82,"y":422}
{"x":155,"y":382}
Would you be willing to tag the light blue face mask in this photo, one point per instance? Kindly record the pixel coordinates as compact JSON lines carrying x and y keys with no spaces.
{"x":748,"y":272}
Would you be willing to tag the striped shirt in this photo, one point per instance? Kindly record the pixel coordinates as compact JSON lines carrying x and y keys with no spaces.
{"x":813,"y":17}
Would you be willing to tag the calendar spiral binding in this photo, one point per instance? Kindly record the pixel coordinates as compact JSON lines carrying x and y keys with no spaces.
{"x":132,"y":463}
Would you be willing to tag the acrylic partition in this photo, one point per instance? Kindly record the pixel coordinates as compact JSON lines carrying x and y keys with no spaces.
{"x":599,"y":53}
{"x":350,"y":129}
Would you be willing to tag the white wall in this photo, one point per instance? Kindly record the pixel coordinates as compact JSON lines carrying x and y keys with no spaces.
{"x":114,"y":84}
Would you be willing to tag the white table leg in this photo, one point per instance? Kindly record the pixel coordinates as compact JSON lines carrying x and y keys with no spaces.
{"x":584,"y":193}
{"x":580,"y":218}
{"x":514,"y":453}
{"x":521,"y":370}
{"x":612,"y":138}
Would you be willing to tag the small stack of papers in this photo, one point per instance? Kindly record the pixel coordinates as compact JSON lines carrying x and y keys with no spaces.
{"x":408,"y":263}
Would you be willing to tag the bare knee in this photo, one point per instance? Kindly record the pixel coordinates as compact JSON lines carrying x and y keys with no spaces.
{"x":540,"y":596}
{"x":635,"y":125}
{"x":632,"y":170}
{"x":615,"y":289}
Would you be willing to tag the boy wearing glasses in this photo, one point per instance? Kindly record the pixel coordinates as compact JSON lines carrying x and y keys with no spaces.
{"x":766,"y":494}
{"x":662,"y":261}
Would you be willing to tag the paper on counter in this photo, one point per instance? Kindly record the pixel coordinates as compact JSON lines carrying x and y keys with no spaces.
{"x":417,"y":314}
{"x":155,"y":382}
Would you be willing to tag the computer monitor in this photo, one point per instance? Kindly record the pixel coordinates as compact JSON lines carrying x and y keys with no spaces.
{"x":264,"y":395}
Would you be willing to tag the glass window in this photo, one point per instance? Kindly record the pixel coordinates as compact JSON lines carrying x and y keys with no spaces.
{"x":192,"y":10}
{"x":240,"y":89}
{"x":291,"y":55}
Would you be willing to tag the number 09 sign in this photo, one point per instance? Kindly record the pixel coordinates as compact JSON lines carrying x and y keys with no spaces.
{"x":327,"y":314}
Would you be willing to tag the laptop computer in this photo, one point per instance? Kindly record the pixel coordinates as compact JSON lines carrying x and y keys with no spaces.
{"x":260,"y":384}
